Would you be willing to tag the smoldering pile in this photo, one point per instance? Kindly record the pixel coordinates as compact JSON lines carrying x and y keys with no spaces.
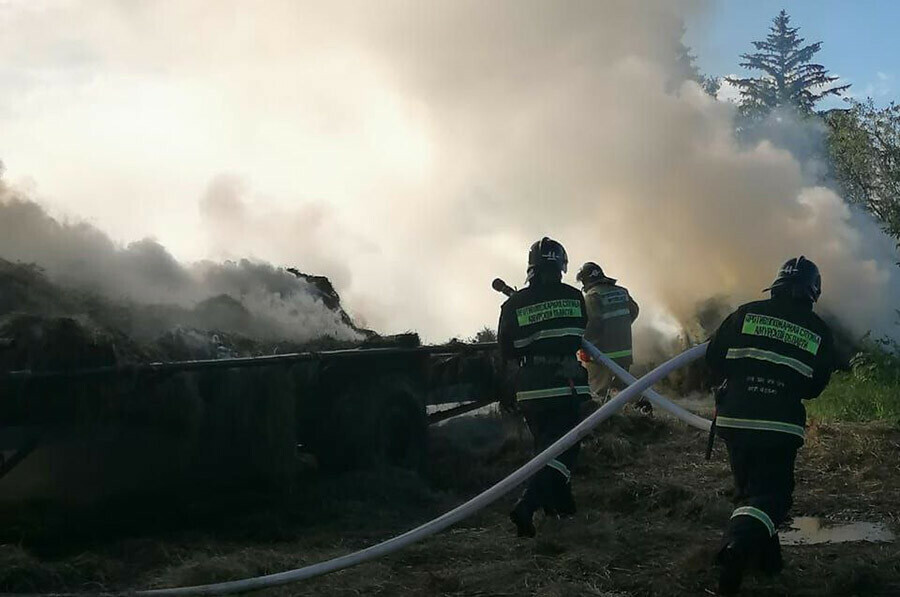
{"x":124,"y":433}
{"x":143,"y":291}
{"x":71,"y":299}
{"x":118,"y":434}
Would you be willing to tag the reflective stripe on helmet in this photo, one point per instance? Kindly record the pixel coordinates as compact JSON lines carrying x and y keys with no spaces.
{"x":544,"y":334}
{"x":545,"y":253}
{"x":782,"y":330}
{"x":770,"y":357}
{"x":552,"y":392}
{"x":760,"y":425}
{"x":758,"y":515}
{"x":800,"y":278}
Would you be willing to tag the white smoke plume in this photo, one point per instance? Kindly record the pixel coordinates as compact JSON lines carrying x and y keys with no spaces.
{"x":567,"y":123}
{"x":412,"y":151}
{"x":81,"y":257}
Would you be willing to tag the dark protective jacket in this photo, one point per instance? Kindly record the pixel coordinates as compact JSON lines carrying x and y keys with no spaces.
{"x":611,"y":311}
{"x":773,"y":354}
{"x":541,"y":326}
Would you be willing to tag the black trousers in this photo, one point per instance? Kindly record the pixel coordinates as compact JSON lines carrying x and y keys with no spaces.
{"x":764,"y":489}
{"x":548,"y":420}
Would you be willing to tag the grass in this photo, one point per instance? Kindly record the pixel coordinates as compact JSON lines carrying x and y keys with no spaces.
{"x":848,"y":398}
{"x":651,"y":510}
{"x":870,"y":391}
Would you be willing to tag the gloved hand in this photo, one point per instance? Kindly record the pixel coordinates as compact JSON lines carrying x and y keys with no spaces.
{"x":508,"y":401}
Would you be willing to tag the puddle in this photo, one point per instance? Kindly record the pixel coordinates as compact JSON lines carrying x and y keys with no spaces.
{"x":807,"y":530}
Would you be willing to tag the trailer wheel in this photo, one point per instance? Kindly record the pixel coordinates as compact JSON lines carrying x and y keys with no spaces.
{"x":402,"y":430}
{"x":382,"y":422}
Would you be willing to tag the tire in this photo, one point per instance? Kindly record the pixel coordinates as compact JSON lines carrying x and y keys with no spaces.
{"x":375,"y":424}
{"x":402,"y":430}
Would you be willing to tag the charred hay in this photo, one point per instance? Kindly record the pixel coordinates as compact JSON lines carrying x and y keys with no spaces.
{"x":111,"y":435}
{"x":184,"y":432}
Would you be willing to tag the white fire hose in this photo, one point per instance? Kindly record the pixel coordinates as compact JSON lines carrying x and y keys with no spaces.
{"x":657,"y":400}
{"x":473,"y":505}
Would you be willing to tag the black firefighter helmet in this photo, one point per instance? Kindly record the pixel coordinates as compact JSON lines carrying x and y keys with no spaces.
{"x":547,"y":255}
{"x":591,"y":274}
{"x":798,"y":278}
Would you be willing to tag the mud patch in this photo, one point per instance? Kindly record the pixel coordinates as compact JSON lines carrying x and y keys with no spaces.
{"x":809,"y":530}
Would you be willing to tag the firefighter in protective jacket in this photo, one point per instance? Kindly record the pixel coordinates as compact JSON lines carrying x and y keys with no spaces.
{"x":610,"y":311}
{"x":772,"y":354}
{"x":541,"y":327}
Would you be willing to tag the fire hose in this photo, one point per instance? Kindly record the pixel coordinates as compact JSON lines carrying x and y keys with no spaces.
{"x":651,"y":395}
{"x":462,"y":511}
{"x":685,"y":415}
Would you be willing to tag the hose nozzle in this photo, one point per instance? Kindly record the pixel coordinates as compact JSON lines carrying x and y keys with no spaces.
{"x":501,"y":286}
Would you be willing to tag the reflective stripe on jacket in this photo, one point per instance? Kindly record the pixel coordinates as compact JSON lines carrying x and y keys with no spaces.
{"x":611,"y":311}
{"x":545,"y":320}
{"x":774,"y":354}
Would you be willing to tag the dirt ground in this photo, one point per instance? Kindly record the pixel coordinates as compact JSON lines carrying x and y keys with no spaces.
{"x":651,"y":513}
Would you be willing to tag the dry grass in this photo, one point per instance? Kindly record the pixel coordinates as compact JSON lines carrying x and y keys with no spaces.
{"x":651,"y":511}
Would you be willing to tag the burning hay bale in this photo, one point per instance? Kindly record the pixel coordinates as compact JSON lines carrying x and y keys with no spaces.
{"x":183,"y":427}
{"x":117,"y":433}
{"x":40,"y":344}
{"x":248,"y":427}
{"x":223,"y":312}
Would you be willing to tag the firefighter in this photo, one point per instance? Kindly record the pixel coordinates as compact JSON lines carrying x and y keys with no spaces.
{"x":541,"y":327}
{"x":611,"y":311}
{"x":772,"y":355}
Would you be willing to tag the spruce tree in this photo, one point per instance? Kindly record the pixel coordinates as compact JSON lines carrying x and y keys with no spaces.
{"x":790,"y":78}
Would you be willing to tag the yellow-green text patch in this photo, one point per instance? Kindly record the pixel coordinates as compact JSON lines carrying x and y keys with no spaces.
{"x":780,"y":329}
{"x":548,"y":310}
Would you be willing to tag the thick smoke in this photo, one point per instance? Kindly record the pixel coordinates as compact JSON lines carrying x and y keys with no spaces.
{"x":565,"y":122}
{"x":79,"y":256}
{"x":236,"y":227}
{"x":419,"y":149}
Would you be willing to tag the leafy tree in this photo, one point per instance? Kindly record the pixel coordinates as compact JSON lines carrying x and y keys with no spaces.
{"x":864,"y":146}
{"x":485,"y":334}
{"x":790,"y":78}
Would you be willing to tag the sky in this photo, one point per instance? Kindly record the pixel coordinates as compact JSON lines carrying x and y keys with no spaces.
{"x":860,"y":38}
{"x":412,"y":151}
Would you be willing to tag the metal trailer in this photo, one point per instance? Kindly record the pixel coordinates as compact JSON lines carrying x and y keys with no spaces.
{"x":353,"y":408}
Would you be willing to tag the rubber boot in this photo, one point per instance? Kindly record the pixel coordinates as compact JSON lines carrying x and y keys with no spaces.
{"x":523,"y":518}
{"x":731,"y":564}
{"x":771,"y":562}
{"x":565,"y":505}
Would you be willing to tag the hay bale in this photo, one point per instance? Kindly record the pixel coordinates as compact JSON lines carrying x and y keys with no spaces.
{"x":103,"y":436}
{"x":248,"y":432}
